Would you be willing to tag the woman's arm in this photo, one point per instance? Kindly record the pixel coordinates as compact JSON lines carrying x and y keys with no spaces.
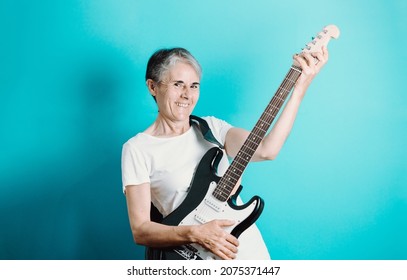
{"x":273,"y":141}
{"x":145,"y":232}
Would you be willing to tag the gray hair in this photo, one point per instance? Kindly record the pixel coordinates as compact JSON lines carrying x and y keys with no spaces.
{"x":162,"y":60}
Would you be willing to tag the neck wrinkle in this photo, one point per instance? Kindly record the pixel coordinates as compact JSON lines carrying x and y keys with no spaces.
{"x":167,"y":128}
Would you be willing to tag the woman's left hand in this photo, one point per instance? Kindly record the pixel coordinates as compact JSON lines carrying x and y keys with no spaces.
{"x":311,"y":64}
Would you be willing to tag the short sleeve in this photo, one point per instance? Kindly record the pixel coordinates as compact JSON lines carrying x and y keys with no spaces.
{"x":134,"y":166}
{"x":219,"y":128}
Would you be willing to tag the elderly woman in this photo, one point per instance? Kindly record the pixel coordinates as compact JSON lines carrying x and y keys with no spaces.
{"x":158,"y":164}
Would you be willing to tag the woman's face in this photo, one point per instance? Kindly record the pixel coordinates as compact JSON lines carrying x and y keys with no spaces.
{"x":178,"y":92}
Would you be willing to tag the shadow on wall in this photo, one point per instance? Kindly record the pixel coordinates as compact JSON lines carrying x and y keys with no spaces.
{"x":64,"y":200}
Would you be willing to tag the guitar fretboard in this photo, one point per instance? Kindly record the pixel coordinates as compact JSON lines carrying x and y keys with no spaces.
{"x":232,"y":175}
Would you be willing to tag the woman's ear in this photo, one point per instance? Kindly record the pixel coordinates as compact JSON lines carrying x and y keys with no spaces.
{"x":152,"y":87}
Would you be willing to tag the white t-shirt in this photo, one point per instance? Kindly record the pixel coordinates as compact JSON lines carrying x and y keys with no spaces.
{"x":169,"y":164}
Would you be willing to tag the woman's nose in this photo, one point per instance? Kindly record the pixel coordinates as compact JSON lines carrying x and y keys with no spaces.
{"x":185,"y":92}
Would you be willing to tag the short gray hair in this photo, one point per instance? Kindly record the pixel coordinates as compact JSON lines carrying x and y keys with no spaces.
{"x":163,"y":59}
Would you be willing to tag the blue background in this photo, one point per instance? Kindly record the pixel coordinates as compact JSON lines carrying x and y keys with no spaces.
{"x":72,"y":92}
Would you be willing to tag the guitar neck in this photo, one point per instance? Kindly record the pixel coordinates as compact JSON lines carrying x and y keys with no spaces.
{"x":232,"y":175}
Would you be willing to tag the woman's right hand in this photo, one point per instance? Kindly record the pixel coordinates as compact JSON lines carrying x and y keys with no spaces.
{"x":212,"y":236}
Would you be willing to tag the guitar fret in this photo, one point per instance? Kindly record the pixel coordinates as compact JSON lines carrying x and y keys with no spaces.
{"x":221,"y":190}
{"x":259,"y":132}
{"x":254,"y":137}
{"x":232,"y":175}
{"x":236,"y":170}
{"x":223,"y":193}
{"x":252,"y":149}
{"x":222,"y":196}
{"x":273,"y":108}
{"x":242,"y":161}
{"x":262,"y":124}
{"x":268,"y":114}
{"x":229,"y":185}
{"x":292,"y":81}
{"x":277,"y":97}
{"x":262,"y":130}
{"x":246,"y":157}
{"x":243,"y":166}
{"x":280,"y":101}
{"x":283,"y":89}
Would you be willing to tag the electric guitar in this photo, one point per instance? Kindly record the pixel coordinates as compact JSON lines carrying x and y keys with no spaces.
{"x":210,"y":197}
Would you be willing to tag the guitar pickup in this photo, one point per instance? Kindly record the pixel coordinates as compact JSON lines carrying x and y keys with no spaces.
{"x":200,"y":219}
{"x":214,"y":204}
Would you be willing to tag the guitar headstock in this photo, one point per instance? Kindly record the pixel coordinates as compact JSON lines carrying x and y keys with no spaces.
{"x":322,"y":39}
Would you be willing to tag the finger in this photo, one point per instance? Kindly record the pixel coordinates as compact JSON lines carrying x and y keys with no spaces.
{"x":304,"y":63}
{"x":231,"y":247}
{"x":317,"y":60}
{"x":325,"y":52}
{"x":319,"y":56}
{"x":226,"y":223}
{"x":320,"y":60}
{"x":225,"y":251}
{"x":230,"y":253}
{"x":224,"y":256}
{"x":299,"y":58}
{"x":232,"y":240}
{"x":323,"y":55}
{"x":302,"y":60}
{"x":310,"y":59}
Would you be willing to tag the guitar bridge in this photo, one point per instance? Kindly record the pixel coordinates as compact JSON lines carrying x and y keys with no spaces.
{"x":188,"y":252}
